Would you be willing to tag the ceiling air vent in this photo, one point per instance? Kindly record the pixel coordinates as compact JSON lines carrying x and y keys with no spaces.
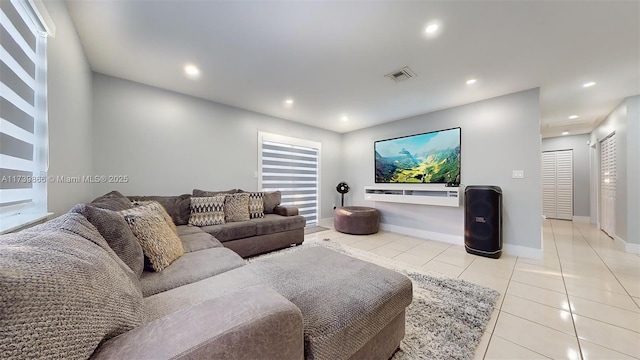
{"x":401,"y":75}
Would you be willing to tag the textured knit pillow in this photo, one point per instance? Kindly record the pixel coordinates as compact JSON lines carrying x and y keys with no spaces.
{"x":159,"y":208}
{"x":63,"y":291}
{"x":207,"y":211}
{"x":113,"y":201}
{"x":256,"y":205}
{"x":236,"y":207}
{"x":116,"y":232}
{"x":158,"y":241}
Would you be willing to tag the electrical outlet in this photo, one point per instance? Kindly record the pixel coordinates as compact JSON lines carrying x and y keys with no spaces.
{"x":518,"y":174}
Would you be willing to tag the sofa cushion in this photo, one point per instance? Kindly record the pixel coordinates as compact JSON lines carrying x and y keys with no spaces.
{"x":207,"y":210}
{"x":187,"y":229}
{"x":272,"y":223}
{"x":112,"y":201}
{"x":271,"y":200}
{"x":115,"y":230}
{"x":67,"y":291}
{"x":198,"y":241}
{"x":256,"y":205}
{"x":204,"y":193}
{"x":236,"y":207}
{"x":232,"y":231}
{"x":158,"y":241}
{"x":160,"y":209}
{"x":178,"y":207}
{"x":191,"y":267}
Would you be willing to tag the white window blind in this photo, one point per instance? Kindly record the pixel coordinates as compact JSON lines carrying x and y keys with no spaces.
{"x":291,"y":166}
{"x":23,"y":104}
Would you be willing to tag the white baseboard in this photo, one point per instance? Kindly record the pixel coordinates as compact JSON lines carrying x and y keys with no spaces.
{"x":582,"y":218}
{"x":424,"y":234}
{"x":632,"y":248}
{"x":523,"y":251}
{"x":326,"y":222}
{"x":514,"y":250}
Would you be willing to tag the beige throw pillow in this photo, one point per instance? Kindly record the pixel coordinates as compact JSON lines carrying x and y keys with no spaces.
{"x":158,"y":241}
{"x":236,"y":207}
{"x":158,"y":207}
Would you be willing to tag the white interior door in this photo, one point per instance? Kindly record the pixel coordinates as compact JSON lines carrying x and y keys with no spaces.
{"x":608,"y":184}
{"x":557,"y":184}
{"x":549,"y":184}
{"x":564,"y":184}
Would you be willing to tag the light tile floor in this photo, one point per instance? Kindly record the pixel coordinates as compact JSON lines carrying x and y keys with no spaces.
{"x":582,"y":301}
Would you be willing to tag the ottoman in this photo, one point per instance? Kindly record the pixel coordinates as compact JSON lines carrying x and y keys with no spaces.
{"x":351,"y":309}
{"x":357,"y":220}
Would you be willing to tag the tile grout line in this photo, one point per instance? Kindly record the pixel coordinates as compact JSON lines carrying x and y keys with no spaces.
{"x":605,"y":264}
{"x":499,"y":308}
{"x":573,"y":322}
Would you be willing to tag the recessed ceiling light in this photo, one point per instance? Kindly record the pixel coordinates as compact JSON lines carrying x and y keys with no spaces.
{"x":432,"y":28}
{"x":588,"y":84}
{"x":287,"y":102}
{"x":344,"y":118}
{"x":573,"y":117}
{"x":192,"y":71}
{"x":471,"y":81}
{"x":565,"y":133}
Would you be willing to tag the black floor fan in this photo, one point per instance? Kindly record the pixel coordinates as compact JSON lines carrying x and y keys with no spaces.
{"x":342,"y":188}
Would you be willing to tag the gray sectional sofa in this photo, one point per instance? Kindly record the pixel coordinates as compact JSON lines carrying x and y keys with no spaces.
{"x":76,"y":287}
{"x":280,"y":227}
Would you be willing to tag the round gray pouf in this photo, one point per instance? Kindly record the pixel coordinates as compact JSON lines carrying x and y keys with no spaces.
{"x":357,"y":220}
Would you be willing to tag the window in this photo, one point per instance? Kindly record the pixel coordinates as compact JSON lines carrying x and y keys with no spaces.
{"x":291,"y":166}
{"x":23,"y":112}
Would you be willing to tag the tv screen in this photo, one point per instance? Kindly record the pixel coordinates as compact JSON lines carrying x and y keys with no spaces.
{"x":432,"y":158}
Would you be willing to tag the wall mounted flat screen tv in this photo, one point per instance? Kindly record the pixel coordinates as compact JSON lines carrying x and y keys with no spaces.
{"x":432,"y":158}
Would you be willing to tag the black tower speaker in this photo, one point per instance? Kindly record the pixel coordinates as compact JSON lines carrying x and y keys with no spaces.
{"x":483,"y":220}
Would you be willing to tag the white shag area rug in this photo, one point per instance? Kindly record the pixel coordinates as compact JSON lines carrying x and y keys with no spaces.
{"x":447,"y":316}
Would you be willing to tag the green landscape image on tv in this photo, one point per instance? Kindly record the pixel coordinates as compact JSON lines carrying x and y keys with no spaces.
{"x":432,"y":158}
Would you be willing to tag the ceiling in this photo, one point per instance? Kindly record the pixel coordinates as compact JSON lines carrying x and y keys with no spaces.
{"x":330,"y":57}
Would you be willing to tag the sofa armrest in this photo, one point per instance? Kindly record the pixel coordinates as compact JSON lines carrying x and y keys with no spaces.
{"x":286,"y":210}
{"x":252,"y":323}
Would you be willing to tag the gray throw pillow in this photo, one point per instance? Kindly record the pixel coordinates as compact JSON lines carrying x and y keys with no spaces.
{"x":178,"y":207}
{"x":115,"y":230}
{"x":236,"y":207}
{"x":113,"y":201}
{"x":271,"y":200}
{"x":66,"y":293}
{"x":203,"y":193}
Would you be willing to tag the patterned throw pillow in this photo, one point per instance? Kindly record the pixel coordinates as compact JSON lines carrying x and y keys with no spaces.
{"x":207,"y":210}
{"x":236,"y":207}
{"x":159,"y":208}
{"x":256,"y":205}
{"x":158,"y":241}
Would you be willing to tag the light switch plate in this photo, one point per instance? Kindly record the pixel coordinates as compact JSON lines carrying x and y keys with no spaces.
{"x":518,"y":174}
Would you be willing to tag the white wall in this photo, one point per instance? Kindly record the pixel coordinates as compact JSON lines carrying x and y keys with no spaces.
{"x":498,"y":135}
{"x":168,"y":143}
{"x":624,"y":120}
{"x":580,"y":146}
{"x":69,"y":102}
{"x":633,"y":172}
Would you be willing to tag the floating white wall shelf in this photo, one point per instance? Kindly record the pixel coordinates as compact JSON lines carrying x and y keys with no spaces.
{"x":423,"y":194}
